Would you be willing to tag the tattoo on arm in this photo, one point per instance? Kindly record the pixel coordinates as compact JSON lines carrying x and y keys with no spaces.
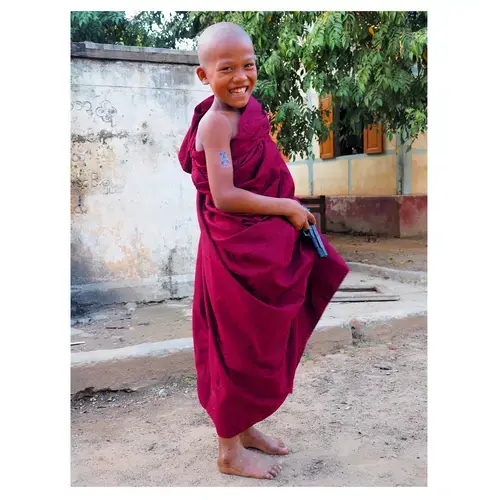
{"x":224,"y":160}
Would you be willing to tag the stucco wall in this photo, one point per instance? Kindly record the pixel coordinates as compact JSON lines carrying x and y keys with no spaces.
{"x":134,"y":231}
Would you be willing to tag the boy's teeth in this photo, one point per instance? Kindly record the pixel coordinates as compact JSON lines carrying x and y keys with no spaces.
{"x":239,"y":91}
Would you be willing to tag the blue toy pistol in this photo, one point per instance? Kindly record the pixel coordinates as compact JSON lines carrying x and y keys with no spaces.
{"x":317,"y":242}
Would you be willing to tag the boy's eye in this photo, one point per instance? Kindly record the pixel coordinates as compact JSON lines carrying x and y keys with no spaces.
{"x":250,"y":65}
{"x":226,"y":69}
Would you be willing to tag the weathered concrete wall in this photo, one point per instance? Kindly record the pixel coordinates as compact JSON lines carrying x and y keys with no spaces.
{"x":366,"y":215}
{"x":134,"y":231}
{"x":412,"y":216}
{"x":399,"y":216}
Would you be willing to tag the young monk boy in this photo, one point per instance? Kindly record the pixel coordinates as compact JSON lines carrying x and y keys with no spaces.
{"x":260,"y":288}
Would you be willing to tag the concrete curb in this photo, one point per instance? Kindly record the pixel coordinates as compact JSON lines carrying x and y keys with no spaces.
{"x":164,"y":360}
{"x":336,"y":320}
{"x":418,"y":277}
{"x":338,"y":333}
{"x":163,"y":348}
{"x":144,"y":365}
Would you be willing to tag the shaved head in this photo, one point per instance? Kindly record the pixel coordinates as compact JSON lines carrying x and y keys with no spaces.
{"x":218,"y":35}
{"x":227,"y":63}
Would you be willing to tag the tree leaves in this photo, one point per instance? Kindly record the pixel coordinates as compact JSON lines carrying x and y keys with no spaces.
{"x":374,"y":64}
{"x":146,"y":29}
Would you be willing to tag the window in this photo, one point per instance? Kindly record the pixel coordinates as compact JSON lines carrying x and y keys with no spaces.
{"x":367,"y":141}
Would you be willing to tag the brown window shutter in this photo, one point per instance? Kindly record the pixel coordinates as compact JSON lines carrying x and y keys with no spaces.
{"x":274,"y":137}
{"x":327,"y":148}
{"x":373,"y":139}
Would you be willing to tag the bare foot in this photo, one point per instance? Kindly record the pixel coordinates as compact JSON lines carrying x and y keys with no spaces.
{"x":236,"y":460}
{"x":252,"y":438}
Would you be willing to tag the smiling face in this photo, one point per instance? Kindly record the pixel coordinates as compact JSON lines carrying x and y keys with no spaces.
{"x":228,"y":66}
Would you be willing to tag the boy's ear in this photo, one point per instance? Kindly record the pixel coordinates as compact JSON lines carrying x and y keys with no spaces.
{"x":200,"y":72}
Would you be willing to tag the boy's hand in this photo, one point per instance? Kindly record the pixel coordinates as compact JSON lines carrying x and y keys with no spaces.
{"x":299,"y":216}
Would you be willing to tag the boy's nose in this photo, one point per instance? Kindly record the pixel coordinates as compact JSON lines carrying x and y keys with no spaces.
{"x":240,"y":77}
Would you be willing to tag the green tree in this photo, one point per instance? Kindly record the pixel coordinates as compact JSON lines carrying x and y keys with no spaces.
{"x":144,"y":29}
{"x":374,"y":64}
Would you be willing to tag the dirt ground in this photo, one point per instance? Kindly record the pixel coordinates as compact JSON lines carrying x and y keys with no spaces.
{"x":356,"y":418}
{"x":409,"y":254}
{"x":116,"y":326}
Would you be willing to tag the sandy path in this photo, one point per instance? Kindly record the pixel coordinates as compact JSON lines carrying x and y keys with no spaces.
{"x":348,"y":423}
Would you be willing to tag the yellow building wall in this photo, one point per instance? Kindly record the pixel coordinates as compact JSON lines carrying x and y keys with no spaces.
{"x":389,"y":145}
{"x":369,"y":176}
{"x":316,"y":150}
{"x":419,"y":173}
{"x":373,"y":176}
{"x":300,"y":174}
{"x":420,"y":142}
{"x":331,"y":178}
{"x":418,"y":159}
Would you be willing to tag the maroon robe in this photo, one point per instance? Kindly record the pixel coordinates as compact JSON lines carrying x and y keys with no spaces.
{"x":260,"y":288}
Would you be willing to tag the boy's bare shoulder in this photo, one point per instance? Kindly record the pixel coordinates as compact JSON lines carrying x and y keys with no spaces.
{"x":215,"y":125}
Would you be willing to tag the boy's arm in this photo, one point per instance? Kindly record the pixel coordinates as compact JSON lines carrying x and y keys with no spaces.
{"x":216,"y":135}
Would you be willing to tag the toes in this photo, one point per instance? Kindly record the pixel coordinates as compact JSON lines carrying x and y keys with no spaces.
{"x":276,"y":469}
{"x":281,"y":448}
{"x":270,"y":474}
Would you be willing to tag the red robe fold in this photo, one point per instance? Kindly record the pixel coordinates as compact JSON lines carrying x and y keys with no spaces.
{"x":260,"y":288}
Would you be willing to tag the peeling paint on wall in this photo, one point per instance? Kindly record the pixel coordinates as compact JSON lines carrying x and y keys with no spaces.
{"x":133,"y":213}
